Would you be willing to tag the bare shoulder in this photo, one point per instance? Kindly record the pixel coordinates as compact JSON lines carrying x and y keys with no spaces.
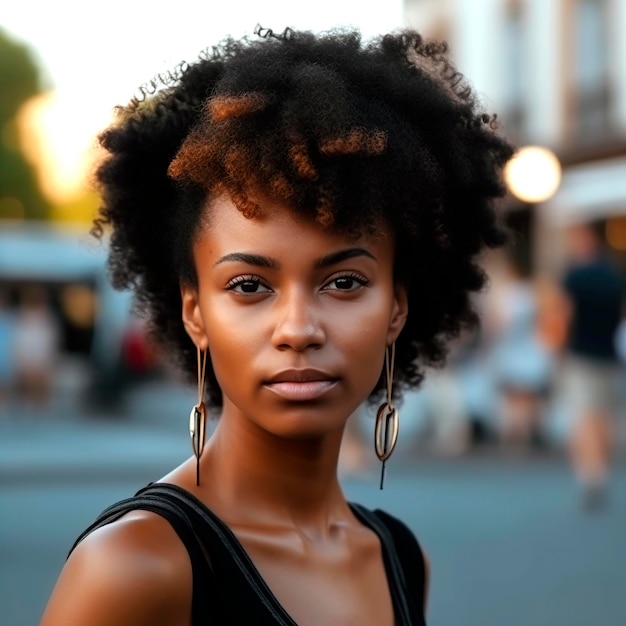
{"x":133,"y":572}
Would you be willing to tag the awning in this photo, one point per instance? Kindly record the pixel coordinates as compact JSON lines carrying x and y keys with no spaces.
{"x":589,"y":192}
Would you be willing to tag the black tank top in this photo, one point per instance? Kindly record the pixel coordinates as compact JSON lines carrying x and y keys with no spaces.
{"x":228,"y":589}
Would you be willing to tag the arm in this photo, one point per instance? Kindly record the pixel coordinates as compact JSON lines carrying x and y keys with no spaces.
{"x":134,"y":572}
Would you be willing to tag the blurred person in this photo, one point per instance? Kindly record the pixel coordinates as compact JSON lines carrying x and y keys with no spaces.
{"x":302,"y":218}
{"x":448,"y":407}
{"x":522,"y":364}
{"x":444,"y":411}
{"x":594,"y":292}
{"x":36,"y":342}
{"x":138,"y":362}
{"x":7,"y":323}
{"x":552,"y":325}
{"x":139,"y":356}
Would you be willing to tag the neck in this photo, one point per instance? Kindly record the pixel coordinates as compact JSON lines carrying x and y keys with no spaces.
{"x":259,"y":477}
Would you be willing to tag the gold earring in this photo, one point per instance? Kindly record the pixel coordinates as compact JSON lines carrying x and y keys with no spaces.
{"x":197,"y":417}
{"x":387,"y":421}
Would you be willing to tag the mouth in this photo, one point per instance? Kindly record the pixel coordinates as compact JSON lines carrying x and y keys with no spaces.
{"x":301,"y":385}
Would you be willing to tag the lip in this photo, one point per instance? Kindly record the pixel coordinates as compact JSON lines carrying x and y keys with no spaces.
{"x":306,"y":375}
{"x":301,"y":385}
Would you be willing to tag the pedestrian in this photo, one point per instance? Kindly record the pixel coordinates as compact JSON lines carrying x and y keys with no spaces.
{"x":521,"y":362}
{"x":301,"y":217}
{"x":36,"y":345}
{"x":7,"y":324}
{"x":594,"y":292}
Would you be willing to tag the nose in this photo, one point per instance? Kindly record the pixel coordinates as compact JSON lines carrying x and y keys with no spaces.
{"x":298,"y":325}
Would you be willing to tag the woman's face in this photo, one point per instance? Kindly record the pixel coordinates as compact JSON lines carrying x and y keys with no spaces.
{"x":296,"y":318}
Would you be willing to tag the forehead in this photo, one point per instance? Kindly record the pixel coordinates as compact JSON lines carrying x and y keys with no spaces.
{"x":279,"y":224}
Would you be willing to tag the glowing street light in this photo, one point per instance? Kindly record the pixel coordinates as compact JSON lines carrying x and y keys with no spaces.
{"x":533,"y":174}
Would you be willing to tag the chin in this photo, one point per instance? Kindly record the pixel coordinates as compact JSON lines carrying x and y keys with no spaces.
{"x":304,"y":423}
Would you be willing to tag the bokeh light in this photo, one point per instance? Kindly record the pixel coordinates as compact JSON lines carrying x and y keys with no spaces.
{"x":534,"y":174}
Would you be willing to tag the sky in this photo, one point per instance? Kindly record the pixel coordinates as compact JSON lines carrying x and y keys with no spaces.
{"x":96,"y":54}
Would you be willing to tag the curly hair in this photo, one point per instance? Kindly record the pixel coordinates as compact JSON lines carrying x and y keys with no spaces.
{"x":351,"y":133}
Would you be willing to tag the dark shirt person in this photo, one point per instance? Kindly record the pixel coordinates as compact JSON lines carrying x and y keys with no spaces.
{"x":595,"y":292}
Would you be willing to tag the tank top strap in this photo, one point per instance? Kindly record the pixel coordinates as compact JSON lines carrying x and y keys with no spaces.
{"x":397,"y":585}
{"x":222,"y":539}
{"x":410,"y":555}
{"x":405,"y":562}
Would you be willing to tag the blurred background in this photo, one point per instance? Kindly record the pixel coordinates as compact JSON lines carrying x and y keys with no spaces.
{"x":510,"y":466}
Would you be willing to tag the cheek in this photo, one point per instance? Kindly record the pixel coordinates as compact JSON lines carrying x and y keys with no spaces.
{"x":369,"y":320}
{"x":364,"y":340}
{"x":231,"y":344}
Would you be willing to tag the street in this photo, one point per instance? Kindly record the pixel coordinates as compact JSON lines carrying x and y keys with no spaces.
{"x":507,"y":538}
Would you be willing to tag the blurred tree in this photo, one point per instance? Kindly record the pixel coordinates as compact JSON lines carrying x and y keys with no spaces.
{"x":20,"y":196}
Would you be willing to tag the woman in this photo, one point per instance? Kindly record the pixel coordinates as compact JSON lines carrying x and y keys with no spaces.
{"x":315,"y":207}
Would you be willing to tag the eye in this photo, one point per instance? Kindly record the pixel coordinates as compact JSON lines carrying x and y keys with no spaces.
{"x":346,"y":282}
{"x":248,"y":285}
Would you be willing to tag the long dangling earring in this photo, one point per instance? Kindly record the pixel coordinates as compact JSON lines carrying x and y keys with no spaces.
{"x":197,"y":417}
{"x":387,"y":421}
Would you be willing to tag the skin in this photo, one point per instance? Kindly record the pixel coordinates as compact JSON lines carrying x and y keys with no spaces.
{"x":274,"y":294}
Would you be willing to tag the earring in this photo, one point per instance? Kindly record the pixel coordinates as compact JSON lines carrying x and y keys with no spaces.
{"x":387,"y":421}
{"x":197,"y":417}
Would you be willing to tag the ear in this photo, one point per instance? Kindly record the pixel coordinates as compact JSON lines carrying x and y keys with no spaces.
{"x":192,"y":317}
{"x":399,"y":312}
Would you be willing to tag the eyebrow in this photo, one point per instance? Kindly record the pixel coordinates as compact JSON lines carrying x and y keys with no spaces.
{"x":249,"y":259}
{"x":342,"y":255}
{"x":263,"y":261}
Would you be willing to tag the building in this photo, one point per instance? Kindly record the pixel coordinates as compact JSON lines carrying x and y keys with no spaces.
{"x":555,"y":71}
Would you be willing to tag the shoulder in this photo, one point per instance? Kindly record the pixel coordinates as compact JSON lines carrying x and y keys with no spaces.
{"x":134,"y":571}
